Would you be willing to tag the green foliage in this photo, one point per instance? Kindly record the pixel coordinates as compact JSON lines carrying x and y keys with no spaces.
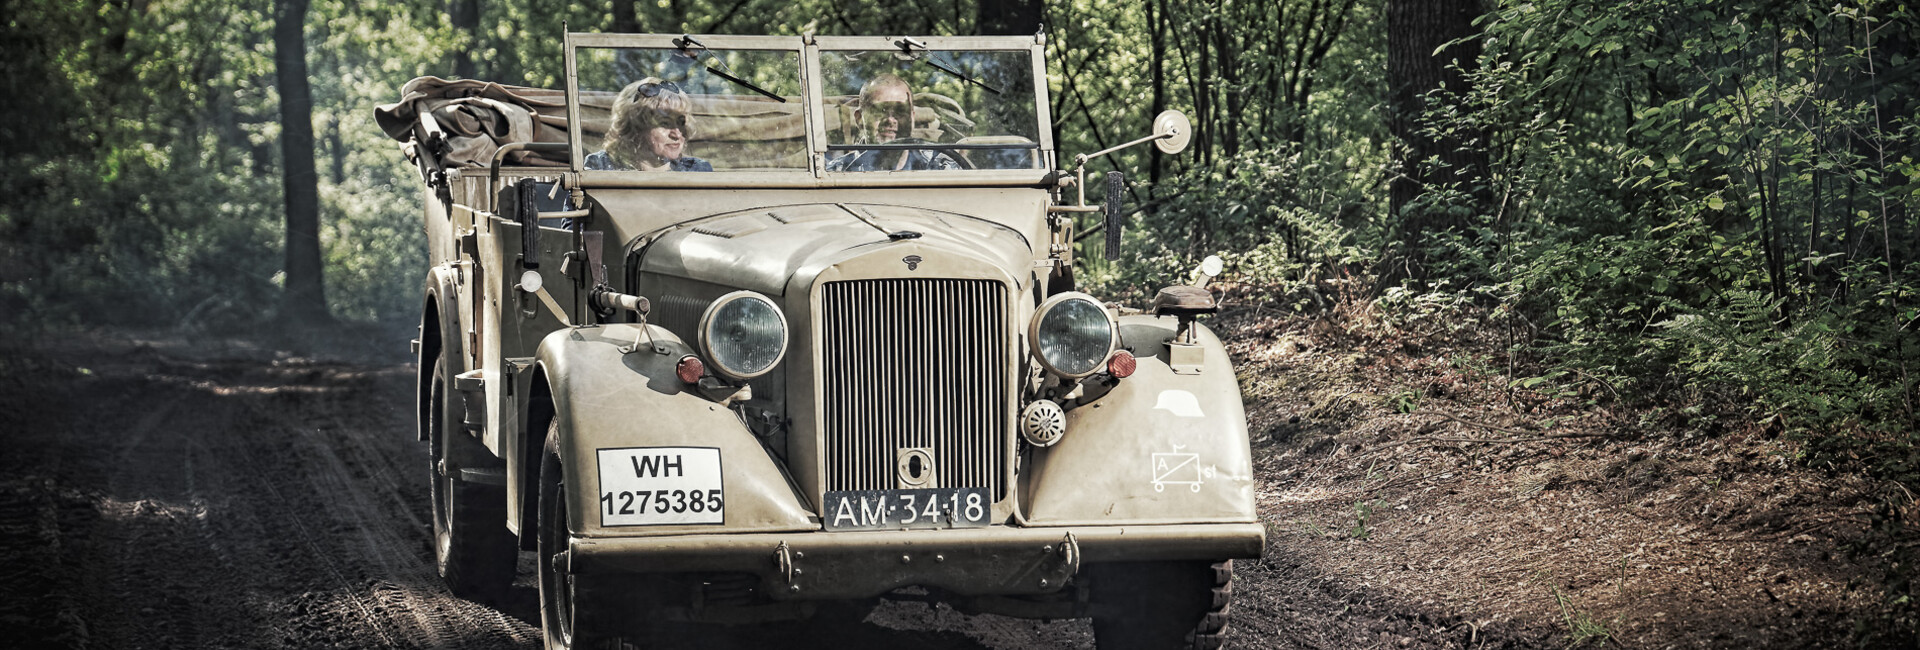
{"x":1581,"y":627}
{"x":1362,"y":519}
{"x":168,"y":211}
{"x":1288,"y":223}
{"x":1708,"y":199}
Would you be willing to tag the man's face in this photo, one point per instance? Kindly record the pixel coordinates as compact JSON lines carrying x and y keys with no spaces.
{"x":888,"y":113}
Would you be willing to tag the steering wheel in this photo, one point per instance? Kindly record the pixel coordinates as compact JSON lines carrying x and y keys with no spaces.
{"x":951,"y":153}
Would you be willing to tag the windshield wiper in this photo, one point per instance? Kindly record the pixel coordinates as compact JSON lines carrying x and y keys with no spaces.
{"x":908,"y":43}
{"x":935,"y":62}
{"x":686,"y":45}
{"x":746,"y":84}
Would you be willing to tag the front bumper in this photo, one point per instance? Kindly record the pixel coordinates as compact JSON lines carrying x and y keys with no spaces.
{"x":995,"y":560}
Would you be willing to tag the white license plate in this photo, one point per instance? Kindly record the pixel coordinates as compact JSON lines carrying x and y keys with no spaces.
{"x":656,"y":486}
{"x":966,"y":507}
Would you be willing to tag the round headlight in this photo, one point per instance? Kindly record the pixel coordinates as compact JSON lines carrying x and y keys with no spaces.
{"x":1072,"y":334}
{"x":743,"y":334}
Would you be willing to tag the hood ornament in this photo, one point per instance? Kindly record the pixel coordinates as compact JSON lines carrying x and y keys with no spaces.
{"x":913,"y":262}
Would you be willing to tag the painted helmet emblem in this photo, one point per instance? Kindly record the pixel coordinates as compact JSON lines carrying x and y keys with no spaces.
{"x":913,"y":262}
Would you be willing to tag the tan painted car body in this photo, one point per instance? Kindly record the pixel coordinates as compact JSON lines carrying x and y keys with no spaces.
{"x":528,"y":359}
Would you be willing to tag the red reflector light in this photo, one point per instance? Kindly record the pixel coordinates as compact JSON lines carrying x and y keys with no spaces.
{"x":1121,"y":365}
{"x":690,"y":369}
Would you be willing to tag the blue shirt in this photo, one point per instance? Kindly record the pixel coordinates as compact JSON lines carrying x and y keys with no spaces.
{"x":600,"y":161}
{"x":869,"y":161}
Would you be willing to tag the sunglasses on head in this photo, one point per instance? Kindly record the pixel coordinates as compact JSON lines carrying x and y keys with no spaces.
{"x":652,"y":89}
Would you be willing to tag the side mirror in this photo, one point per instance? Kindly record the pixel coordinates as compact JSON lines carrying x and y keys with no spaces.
{"x":1173,"y":132}
{"x":1115,"y":212}
{"x":1209,"y":269}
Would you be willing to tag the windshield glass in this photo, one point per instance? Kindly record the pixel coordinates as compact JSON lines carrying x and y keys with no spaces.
{"x":666,"y":109}
{"x":888,"y":110}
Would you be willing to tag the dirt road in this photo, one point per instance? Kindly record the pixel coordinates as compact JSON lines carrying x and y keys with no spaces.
{"x":161,"y":493}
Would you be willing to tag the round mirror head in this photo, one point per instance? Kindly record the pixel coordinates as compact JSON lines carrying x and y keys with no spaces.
{"x":1212,"y":266}
{"x":1175,"y":132}
{"x":530,"y":282}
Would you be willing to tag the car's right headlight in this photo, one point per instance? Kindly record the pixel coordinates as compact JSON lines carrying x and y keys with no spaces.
{"x":1072,"y":334}
{"x":743,"y":334}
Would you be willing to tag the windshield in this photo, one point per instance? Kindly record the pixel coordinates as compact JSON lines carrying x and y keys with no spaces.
{"x":893,"y":110}
{"x":695,"y":109}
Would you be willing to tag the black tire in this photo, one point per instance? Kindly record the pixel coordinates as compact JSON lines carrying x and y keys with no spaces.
{"x":1161,"y":605}
{"x":557,"y":611}
{"x":471,"y":544}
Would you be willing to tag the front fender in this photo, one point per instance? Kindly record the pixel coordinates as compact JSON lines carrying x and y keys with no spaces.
{"x":1159,"y":448}
{"x":606,"y":399}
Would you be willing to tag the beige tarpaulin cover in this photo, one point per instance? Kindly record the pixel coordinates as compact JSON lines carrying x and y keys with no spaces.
{"x":477,"y":117}
{"x":732,"y":131}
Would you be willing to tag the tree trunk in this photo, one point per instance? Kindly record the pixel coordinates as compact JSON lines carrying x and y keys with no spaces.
{"x":305,"y":298}
{"x":1008,"y":17}
{"x":625,"y":21}
{"x":1415,"y":29}
{"x":1157,"y":30}
{"x":464,"y":16}
{"x":1226,"y":48}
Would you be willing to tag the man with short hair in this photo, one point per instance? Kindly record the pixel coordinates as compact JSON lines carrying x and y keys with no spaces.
{"x":885,"y":115}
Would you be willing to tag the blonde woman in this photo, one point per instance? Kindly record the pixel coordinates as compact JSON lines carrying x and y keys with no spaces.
{"x":650,"y":130}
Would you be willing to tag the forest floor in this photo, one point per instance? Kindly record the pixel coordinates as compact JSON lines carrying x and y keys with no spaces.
{"x":1415,"y":498}
{"x":166,"y":491}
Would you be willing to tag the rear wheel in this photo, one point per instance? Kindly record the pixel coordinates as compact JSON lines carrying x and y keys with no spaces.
{"x":1161,"y":605}
{"x":471,"y":544}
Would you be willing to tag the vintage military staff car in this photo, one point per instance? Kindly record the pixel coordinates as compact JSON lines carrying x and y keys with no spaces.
{"x":741,"y":329}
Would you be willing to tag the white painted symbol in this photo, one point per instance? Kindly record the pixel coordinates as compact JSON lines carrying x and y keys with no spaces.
{"x":1176,"y":468}
{"x":1180,"y":403}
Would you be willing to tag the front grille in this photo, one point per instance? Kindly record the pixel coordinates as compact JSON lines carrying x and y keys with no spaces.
{"x":914,"y":363}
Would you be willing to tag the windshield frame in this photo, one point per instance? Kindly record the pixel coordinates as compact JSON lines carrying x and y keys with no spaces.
{"x":576,"y":41}
{"x":808,"y":50}
{"x":1034,"y":46}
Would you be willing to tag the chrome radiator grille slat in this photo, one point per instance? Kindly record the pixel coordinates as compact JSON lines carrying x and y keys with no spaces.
{"x":914,"y":363}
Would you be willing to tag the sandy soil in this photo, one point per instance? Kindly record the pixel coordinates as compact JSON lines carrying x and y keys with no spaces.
{"x":160,"y":492}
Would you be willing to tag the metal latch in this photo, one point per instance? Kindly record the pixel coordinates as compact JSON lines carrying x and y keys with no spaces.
{"x":783,"y":562}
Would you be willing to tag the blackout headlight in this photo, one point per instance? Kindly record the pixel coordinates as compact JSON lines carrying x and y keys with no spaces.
{"x":1072,"y":334}
{"x":743,"y":334}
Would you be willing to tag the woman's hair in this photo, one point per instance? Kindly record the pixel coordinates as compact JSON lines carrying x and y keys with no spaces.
{"x":641,"y":106}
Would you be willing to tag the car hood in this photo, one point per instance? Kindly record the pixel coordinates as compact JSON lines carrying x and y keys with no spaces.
{"x":761,"y":249}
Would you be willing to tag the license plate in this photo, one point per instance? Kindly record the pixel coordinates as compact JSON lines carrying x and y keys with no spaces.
{"x":655,"y":486}
{"x":965,"y":507}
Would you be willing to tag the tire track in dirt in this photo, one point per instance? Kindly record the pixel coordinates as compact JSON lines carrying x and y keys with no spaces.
{"x":173,"y":503}
{"x":352,"y":478}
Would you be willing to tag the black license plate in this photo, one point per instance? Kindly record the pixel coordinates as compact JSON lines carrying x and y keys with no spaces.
{"x":964,"y":507}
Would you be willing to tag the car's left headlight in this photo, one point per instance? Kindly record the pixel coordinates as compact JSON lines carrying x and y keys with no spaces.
{"x":1072,"y":334}
{"x":743,"y":334}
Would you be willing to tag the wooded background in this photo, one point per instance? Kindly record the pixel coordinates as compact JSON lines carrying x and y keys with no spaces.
{"x":1688,"y":202}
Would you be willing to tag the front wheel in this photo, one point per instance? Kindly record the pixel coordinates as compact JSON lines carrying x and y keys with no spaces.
{"x":1161,"y":605}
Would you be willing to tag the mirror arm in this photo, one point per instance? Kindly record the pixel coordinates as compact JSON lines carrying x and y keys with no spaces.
{"x":1083,"y":158}
{"x":1080,"y":162}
